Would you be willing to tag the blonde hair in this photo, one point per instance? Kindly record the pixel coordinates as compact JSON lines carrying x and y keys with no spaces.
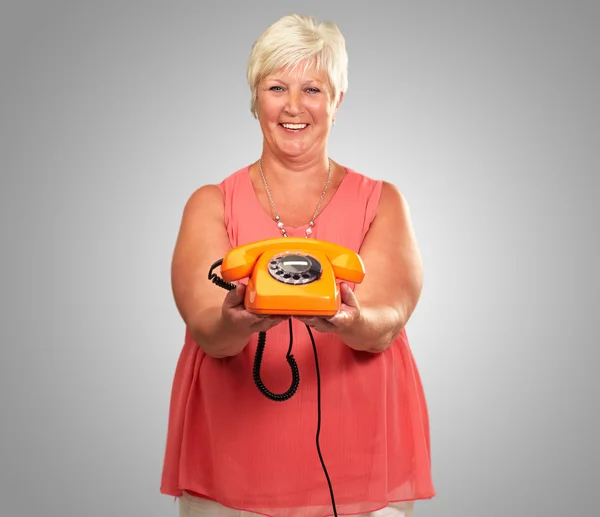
{"x":293,"y":39}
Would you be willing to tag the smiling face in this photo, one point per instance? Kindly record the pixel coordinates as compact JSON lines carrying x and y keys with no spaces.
{"x":295,"y":111}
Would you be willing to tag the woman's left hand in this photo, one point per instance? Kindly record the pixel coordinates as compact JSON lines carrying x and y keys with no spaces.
{"x":347,"y":314}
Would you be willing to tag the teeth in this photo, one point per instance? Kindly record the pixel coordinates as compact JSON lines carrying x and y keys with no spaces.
{"x":294,"y":126}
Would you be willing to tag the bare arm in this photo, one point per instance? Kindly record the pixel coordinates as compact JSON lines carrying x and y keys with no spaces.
{"x":216,"y":318}
{"x":374,"y":314}
{"x":392,"y":286}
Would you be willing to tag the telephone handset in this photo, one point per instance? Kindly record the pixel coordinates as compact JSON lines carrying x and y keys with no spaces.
{"x":292,"y":275}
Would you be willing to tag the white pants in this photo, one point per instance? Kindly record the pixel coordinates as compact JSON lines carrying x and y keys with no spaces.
{"x":190,"y":506}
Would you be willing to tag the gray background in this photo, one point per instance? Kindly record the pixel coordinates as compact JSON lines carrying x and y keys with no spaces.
{"x":484,"y":114}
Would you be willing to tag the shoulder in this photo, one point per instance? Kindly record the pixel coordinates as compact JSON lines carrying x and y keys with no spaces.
{"x":392,"y":200}
{"x":207,"y":197}
{"x":360,"y":178}
{"x":388,"y":210}
{"x":212,"y":196}
{"x":392,"y":213}
{"x":362,"y":189}
{"x":386,"y":197}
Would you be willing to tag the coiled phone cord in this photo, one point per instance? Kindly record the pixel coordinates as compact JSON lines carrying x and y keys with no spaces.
{"x":280,"y":397}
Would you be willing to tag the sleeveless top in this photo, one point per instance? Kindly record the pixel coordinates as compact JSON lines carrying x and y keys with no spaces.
{"x":226,"y":441}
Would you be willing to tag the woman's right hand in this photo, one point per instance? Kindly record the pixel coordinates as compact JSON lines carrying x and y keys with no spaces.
{"x":235,"y":316}
{"x":217,"y":319}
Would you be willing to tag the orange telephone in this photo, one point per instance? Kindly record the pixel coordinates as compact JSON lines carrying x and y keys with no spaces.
{"x":292,"y":275}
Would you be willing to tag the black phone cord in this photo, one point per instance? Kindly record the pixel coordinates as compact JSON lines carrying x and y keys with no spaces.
{"x":280,"y":397}
{"x":262,"y":339}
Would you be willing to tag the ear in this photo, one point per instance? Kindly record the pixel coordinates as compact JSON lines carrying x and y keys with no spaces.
{"x":339,"y":101}
{"x":337,"y":105}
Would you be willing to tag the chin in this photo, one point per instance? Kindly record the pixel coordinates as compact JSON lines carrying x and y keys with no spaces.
{"x":293,"y":151}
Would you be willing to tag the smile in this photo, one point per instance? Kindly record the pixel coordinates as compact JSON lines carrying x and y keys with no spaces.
{"x":294,"y":127}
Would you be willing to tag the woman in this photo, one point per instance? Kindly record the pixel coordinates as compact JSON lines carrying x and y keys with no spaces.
{"x":232,"y":451}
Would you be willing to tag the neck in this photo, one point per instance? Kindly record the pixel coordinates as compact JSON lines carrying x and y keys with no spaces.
{"x":292,"y":169}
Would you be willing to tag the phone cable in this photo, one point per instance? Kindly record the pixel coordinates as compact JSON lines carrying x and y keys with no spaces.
{"x":280,"y":397}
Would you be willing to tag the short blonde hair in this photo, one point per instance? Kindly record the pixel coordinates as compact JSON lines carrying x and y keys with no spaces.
{"x":293,"y":39}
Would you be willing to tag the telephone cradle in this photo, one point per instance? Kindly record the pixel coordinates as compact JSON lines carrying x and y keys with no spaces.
{"x":290,"y":276}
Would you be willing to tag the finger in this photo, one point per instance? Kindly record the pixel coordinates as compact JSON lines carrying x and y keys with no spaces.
{"x":235,"y":297}
{"x":268,"y":322}
{"x":322,"y":327}
{"x":347,"y":295}
{"x":307,"y":318}
{"x":311,"y":322}
{"x":341,"y":319}
{"x":319,"y":324}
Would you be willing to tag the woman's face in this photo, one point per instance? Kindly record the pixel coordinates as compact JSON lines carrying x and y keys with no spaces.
{"x":295,"y":111}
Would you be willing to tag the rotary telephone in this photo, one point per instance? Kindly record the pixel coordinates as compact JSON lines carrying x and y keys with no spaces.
{"x":290,"y":276}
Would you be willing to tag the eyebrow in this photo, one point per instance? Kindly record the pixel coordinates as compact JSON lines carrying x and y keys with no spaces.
{"x":308,"y":82}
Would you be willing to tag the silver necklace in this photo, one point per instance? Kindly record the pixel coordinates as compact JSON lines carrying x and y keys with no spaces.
{"x":280,"y":224}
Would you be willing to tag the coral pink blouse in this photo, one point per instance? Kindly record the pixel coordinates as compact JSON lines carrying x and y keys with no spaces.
{"x":227,"y":442}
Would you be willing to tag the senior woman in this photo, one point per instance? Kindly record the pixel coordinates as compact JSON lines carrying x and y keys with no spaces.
{"x":230,"y":450}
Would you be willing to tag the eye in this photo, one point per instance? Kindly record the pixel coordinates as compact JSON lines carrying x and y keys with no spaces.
{"x":276,"y":88}
{"x":313,"y":90}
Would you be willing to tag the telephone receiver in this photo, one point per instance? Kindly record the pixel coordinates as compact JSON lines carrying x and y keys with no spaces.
{"x":292,"y":275}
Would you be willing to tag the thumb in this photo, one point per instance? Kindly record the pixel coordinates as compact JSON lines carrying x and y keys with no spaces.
{"x":235,"y":297}
{"x":347,"y":295}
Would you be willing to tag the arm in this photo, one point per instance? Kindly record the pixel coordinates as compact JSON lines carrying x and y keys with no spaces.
{"x":372,"y":317}
{"x":202,"y":240}
{"x":392,"y":286}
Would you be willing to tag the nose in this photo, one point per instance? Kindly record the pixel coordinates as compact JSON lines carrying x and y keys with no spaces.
{"x":293,"y":105}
